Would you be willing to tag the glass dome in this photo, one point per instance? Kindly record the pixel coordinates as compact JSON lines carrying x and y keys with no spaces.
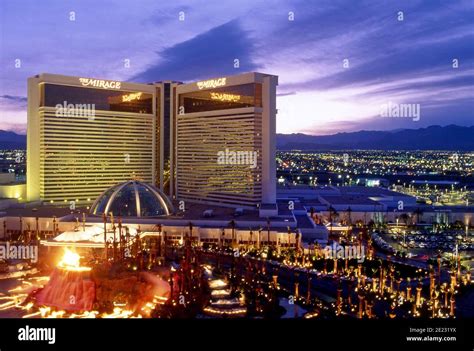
{"x":132,"y":199}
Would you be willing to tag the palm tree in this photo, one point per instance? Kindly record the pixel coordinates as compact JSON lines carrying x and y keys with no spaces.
{"x":37,"y":228}
{"x":222,"y":238}
{"x":348,"y":213}
{"x":159,"y":228}
{"x":120,"y":236}
{"x":332,"y":215}
{"x":104,"y":219}
{"x":259,"y":238}
{"x":54,"y":227}
{"x":268,"y":231}
{"x":232,"y":225}
{"x":418,"y":213}
{"x":404,"y":217}
{"x":371,"y":224}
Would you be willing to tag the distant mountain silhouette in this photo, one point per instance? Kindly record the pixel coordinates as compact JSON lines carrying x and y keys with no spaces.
{"x":451,"y":137}
{"x":11,"y":140}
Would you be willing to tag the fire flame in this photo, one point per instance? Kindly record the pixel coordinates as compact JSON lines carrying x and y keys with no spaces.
{"x":16,"y":300}
{"x":71,"y":261}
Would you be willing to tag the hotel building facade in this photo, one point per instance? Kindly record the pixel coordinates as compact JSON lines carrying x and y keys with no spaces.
{"x":86,"y":135}
{"x":225,"y":140}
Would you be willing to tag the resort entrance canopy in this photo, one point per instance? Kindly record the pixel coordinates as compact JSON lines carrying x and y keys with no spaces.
{"x":89,"y":236}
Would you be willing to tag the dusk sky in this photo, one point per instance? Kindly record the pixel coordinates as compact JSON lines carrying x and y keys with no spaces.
{"x":389,"y":60}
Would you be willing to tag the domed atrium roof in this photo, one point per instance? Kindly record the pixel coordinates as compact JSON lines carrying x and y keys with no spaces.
{"x":132,"y":199}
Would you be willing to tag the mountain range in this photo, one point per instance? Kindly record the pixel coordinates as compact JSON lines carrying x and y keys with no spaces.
{"x":11,"y":140}
{"x":450,"y":137}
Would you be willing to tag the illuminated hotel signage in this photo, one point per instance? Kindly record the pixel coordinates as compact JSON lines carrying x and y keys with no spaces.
{"x":131,"y":97}
{"x":99,"y":83}
{"x":211,"y":83}
{"x":225,"y":97}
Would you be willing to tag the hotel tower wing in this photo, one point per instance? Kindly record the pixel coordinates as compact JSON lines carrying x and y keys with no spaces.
{"x":211,"y":141}
{"x":225,"y":140}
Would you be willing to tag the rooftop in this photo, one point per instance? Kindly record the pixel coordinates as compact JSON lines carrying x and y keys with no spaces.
{"x":349,"y":200}
{"x":40,"y":211}
{"x":194,"y":211}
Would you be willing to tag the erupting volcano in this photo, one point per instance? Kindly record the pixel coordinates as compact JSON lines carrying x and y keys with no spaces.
{"x":104,"y":291}
{"x":70,"y":286}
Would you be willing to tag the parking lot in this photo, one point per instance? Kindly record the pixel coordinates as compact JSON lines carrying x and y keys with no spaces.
{"x":424,"y":242}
